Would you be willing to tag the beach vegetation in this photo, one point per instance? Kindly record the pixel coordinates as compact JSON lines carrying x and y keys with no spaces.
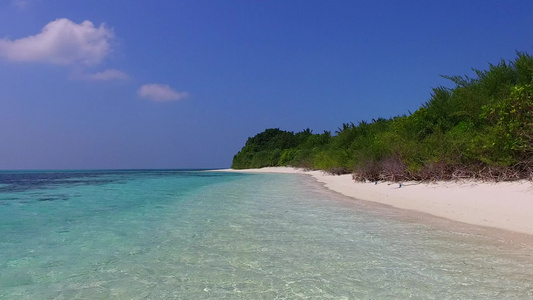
{"x":482,"y":128}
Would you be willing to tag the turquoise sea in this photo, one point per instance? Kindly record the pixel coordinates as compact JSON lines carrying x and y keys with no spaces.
{"x":165,"y":234}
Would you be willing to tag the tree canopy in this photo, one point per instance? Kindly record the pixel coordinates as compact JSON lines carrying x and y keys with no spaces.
{"x":481,"y":128}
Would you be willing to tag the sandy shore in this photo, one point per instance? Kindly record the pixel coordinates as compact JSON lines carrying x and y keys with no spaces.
{"x":507,"y":205}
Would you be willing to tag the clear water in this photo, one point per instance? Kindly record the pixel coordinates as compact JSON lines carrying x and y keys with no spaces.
{"x":210,"y":235}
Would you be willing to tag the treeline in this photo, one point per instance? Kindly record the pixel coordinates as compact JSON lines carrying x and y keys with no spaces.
{"x":482,"y":128}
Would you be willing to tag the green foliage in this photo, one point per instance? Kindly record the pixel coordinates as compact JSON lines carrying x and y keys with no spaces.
{"x":264,"y":150}
{"x":510,"y":135}
{"x":482,"y":123}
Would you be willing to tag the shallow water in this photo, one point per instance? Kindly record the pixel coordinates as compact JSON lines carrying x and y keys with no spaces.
{"x":203,"y":235}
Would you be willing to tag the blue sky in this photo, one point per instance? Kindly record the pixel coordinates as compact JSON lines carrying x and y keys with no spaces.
{"x":182,"y":84}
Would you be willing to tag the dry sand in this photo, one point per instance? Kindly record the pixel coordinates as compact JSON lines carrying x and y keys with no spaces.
{"x":507,"y":205}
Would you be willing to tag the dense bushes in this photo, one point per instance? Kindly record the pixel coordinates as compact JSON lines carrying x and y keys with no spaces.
{"x":481,"y":128}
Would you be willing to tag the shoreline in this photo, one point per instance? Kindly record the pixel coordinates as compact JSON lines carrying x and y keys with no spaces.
{"x":504,"y":205}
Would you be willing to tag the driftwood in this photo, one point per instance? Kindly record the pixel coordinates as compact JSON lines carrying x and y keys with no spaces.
{"x":395,"y":171}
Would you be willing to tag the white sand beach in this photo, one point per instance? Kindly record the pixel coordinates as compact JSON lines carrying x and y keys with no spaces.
{"x":504,"y":205}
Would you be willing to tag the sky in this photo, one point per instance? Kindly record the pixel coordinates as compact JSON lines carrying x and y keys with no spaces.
{"x":132,"y":84}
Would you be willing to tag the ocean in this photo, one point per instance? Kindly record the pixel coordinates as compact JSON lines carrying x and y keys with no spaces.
{"x":185,"y":234}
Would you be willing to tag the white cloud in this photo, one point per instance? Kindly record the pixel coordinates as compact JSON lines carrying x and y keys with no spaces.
{"x":24,"y":4}
{"x":160,"y":93}
{"x":107,"y":75}
{"x":21,"y":4}
{"x":61,"y":42}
